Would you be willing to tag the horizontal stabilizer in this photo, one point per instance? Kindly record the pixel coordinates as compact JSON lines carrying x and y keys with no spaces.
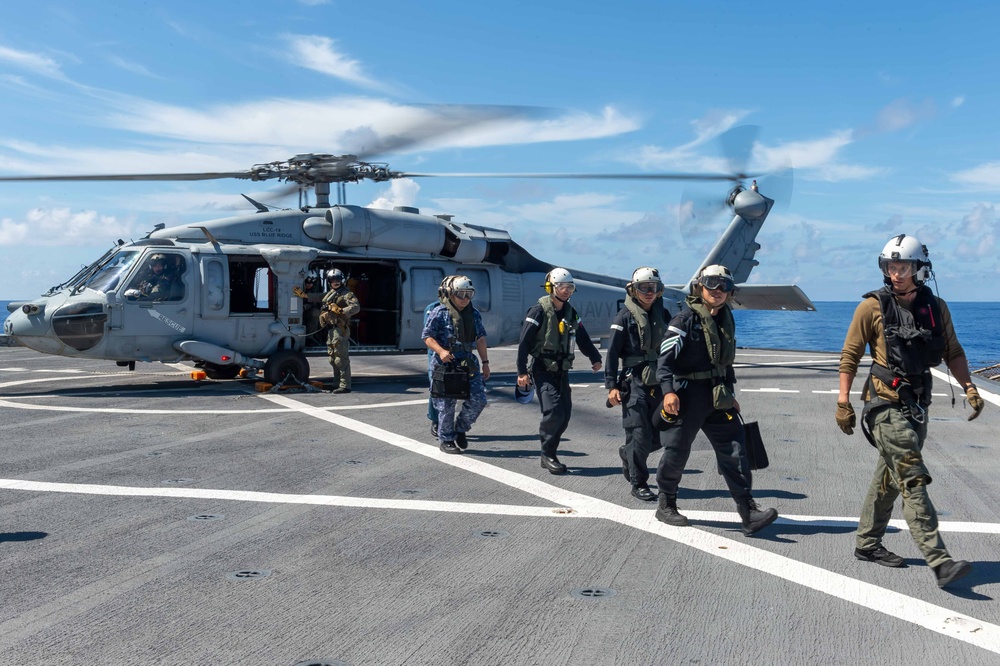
{"x":771,"y":297}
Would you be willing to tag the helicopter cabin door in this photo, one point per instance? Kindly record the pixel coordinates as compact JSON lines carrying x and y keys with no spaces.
{"x":158,"y":303}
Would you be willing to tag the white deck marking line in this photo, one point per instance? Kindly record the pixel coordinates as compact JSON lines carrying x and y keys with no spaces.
{"x":22,"y":382}
{"x":983,"y":393}
{"x":279,"y":498}
{"x":768,"y":390}
{"x":60,"y":372}
{"x":10,"y":402}
{"x":836,"y":392}
{"x":936,"y":618}
{"x":810,"y":361}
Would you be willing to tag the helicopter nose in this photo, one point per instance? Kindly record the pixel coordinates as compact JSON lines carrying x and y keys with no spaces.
{"x":33,"y":331}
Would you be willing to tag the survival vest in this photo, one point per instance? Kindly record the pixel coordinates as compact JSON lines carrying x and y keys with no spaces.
{"x":915,"y":343}
{"x":554,"y":344}
{"x":721,"y":341}
{"x":651,"y":327}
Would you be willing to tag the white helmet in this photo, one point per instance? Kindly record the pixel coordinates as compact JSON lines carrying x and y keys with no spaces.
{"x":454,"y":283}
{"x":906,"y":248}
{"x":646,"y":274}
{"x":557,"y":276}
{"x":716,"y":276}
{"x":335,"y":275}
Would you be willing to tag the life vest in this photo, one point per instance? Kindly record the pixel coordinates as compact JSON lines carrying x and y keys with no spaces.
{"x":914,"y":341}
{"x":652,"y":327}
{"x":554,"y":346}
{"x":720,"y":341}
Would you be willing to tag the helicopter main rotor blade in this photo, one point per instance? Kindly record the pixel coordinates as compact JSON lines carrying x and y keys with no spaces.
{"x":134,"y":176}
{"x":737,"y":145}
{"x":583,"y":176}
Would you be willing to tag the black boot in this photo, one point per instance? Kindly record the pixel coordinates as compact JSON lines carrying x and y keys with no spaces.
{"x":753,"y":518}
{"x":667,"y":512}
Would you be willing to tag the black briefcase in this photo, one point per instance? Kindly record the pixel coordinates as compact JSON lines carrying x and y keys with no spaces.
{"x":756,"y":452}
{"x":451,"y":382}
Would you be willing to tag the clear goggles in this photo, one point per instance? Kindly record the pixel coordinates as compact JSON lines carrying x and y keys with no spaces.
{"x":564,"y":286}
{"x":649,"y":288}
{"x":902,"y":269}
{"x":717,"y":283}
{"x":464,"y":293}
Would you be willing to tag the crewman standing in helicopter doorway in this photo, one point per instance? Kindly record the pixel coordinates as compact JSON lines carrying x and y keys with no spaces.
{"x":635,"y":339}
{"x":339,"y":304}
{"x":551,"y":329}
{"x":312,"y":298}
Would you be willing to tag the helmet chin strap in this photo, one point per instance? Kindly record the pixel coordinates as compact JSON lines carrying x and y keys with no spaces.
{"x":561,"y":300}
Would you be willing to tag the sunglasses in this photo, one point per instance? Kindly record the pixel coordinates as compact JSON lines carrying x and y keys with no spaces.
{"x":465,"y":293}
{"x":648,"y":288}
{"x":717,"y":283}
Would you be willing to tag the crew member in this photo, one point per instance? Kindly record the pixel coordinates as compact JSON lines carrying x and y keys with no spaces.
{"x":453,"y":328}
{"x":159,"y":280}
{"x":909,"y":331}
{"x":695,"y":371}
{"x":339,"y":305}
{"x":635,"y":339}
{"x":432,"y":413}
{"x":548,"y":336}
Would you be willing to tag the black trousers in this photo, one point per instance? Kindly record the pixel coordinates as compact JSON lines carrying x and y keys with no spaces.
{"x":556,"y":402}
{"x":724,"y":431}
{"x":641,"y":439}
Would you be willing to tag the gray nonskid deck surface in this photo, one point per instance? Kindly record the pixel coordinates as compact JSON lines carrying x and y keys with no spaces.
{"x":147,"y":518}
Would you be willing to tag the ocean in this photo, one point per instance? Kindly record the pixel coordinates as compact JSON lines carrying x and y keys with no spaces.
{"x":824,"y":329}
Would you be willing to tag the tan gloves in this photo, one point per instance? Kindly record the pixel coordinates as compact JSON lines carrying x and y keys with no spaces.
{"x":972,"y":395}
{"x":846,"y":420}
{"x":297,"y":290}
{"x":334,"y":308}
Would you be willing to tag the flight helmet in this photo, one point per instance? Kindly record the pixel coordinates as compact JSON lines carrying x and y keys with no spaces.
{"x":644,"y":279}
{"x":908,"y":249}
{"x":558,"y":276}
{"x":716,"y":276}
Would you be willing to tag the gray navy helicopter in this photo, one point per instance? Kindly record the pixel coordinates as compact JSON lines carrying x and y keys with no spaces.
{"x":232,"y":300}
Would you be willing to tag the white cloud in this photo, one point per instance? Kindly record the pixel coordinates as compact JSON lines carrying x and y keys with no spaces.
{"x":318,"y":54}
{"x":401,"y":192}
{"x":957,"y":101}
{"x":903,"y":113}
{"x":35,"y":62}
{"x":62,"y":227}
{"x":803,"y":154}
{"x":131,"y":66}
{"x":984,"y":177}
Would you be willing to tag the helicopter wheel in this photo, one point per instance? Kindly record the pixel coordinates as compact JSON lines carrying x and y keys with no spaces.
{"x":284,"y":363}
{"x":213,"y":371}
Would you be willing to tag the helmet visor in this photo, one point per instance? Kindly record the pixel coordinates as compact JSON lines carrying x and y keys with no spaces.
{"x":717,"y":283}
{"x":899,"y":269}
{"x":648,"y":287}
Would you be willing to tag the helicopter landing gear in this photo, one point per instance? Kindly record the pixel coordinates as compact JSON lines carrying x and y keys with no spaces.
{"x":284,"y":363}
{"x":213,"y":371}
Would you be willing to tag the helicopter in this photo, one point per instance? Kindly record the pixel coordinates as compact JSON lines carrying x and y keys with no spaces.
{"x":235,"y":300}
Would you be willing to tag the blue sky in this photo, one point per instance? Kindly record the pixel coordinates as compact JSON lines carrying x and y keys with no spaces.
{"x":888,"y":113}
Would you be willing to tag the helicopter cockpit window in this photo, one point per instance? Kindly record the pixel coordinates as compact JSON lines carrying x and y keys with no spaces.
{"x":160,"y":279}
{"x":109,"y":275}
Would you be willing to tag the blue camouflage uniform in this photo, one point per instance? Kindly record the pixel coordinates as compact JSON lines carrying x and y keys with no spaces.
{"x":440,"y":327}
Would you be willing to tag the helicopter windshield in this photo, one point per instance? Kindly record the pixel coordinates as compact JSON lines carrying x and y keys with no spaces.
{"x":107,"y":276}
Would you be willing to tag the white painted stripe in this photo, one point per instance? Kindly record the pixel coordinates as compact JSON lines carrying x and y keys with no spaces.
{"x":983,"y":393}
{"x":791,"y":364}
{"x":284,"y":498}
{"x":768,"y":390}
{"x":8,"y":402}
{"x":66,"y":371}
{"x":836,"y":392}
